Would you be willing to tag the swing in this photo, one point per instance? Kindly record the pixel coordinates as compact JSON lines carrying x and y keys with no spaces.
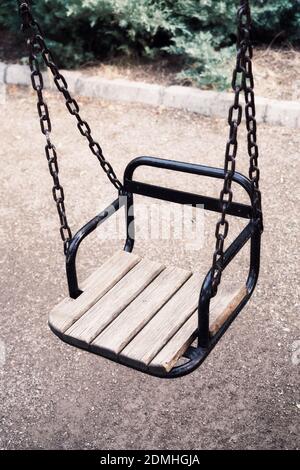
{"x":135,"y":311}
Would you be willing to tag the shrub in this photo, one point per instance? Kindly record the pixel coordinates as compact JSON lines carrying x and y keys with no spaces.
{"x":200,"y":34}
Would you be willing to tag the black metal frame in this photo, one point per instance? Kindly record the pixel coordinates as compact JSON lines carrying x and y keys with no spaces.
{"x":195,"y":355}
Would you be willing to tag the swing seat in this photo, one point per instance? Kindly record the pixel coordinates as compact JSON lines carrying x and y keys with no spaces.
{"x":140,"y":313}
{"x":145,"y":315}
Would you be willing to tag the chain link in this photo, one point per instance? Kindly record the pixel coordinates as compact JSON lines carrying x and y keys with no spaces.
{"x":50,"y":151}
{"x":242,"y":81}
{"x":74,"y":110}
{"x":38,"y":48}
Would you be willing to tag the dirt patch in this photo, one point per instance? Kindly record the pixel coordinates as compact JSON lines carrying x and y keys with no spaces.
{"x":277,"y":73}
{"x":163,"y":71}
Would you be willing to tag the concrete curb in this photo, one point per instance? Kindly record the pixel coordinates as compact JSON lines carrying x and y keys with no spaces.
{"x":206,"y":103}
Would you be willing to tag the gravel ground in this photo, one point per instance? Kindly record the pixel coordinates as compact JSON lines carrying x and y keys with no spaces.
{"x":246,"y":395}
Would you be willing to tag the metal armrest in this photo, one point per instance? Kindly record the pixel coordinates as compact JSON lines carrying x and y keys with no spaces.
{"x":78,"y":238}
{"x":251,"y":232}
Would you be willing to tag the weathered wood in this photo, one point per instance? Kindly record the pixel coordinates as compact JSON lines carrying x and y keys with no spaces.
{"x":119,"y":333}
{"x":221,"y":308}
{"x":143,"y":348}
{"x":115,"y":301}
{"x":228,"y":303}
{"x":166,"y":359}
{"x":98,"y":284}
{"x":140,"y":313}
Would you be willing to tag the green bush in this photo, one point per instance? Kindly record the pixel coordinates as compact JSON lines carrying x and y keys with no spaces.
{"x":200,"y":34}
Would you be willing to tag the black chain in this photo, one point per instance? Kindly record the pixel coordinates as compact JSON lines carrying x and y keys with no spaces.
{"x":250,"y":109}
{"x":38,"y":48}
{"x":242,"y":81}
{"x":51,"y":154}
{"x":74,"y":110}
{"x":45,"y":122}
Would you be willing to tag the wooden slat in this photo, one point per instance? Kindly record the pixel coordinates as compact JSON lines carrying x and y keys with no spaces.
{"x":217,"y":304}
{"x":176,"y":347}
{"x":115,"y":301}
{"x":144,"y":347}
{"x":140,"y":312}
{"x":84,"y":284}
{"x":118,"y":334}
{"x":98,"y":284}
{"x":221,"y":308}
{"x":228,"y":304}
